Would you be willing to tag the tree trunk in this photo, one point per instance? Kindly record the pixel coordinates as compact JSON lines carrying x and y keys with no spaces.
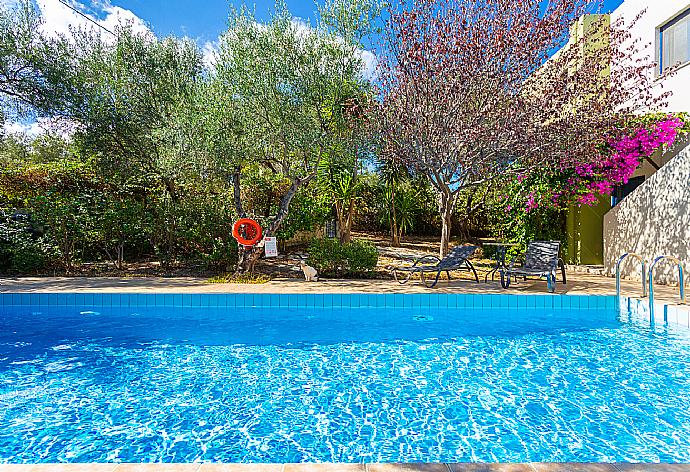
{"x":345,"y":222}
{"x":445,"y":207}
{"x":395,"y":234}
{"x":248,"y":257}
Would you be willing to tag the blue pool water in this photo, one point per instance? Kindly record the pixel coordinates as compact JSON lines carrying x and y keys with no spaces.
{"x":84,"y":384}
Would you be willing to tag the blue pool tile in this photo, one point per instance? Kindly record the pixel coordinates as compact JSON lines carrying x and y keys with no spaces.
{"x":478,"y":301}
{"x":78,"y":300}
{"x":610,"y":303}
{"x":390,"y":300}
{"x":161,"y":300}
{"x":291,"y":300}
{"x":116,"y":300}
{"x":522,"y":301}
{"x":338,"y":300}
{"x":39,"y":299}
{"x":141,"y":300}
{"x":357,"y":301}
{"x":361,"y":300}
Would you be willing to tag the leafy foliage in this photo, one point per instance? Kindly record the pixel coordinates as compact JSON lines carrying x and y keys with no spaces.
{"x":335,"y":259}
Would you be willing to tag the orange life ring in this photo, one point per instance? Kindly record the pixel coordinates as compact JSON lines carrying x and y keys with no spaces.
{"x":247,"y":232}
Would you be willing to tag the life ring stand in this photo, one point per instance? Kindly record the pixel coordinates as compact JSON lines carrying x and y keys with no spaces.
{"x":247,"y":232}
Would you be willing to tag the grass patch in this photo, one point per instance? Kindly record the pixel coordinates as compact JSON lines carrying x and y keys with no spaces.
{"x":255,"y":279}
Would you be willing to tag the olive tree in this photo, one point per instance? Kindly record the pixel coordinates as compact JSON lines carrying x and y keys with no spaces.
{"x":284,"y":83}
{"x":33,"y":66}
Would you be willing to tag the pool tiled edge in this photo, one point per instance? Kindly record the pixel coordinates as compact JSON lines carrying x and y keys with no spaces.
{"x":320,"y":301}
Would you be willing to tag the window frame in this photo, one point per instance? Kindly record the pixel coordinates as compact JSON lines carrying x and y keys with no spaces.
{"x":675,"y":19}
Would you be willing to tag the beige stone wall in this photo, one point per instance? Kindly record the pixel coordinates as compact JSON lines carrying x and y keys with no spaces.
{"x":653,"y":220}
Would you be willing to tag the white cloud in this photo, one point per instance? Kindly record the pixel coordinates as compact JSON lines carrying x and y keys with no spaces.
{"x":58,"y":18}
{"x":61,"y":127}
{"x":370,"y":64}
{"x":210,"y":53}
{"x":31,"y":129}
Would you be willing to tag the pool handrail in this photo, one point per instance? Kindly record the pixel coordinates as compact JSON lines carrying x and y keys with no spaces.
{"x":681,"y":281}
{"x":643,"y":262}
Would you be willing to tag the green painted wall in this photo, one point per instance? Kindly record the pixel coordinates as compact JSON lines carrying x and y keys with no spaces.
{"x":586,"y":233}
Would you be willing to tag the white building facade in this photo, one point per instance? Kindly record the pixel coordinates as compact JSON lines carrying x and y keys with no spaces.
{"x":664,"y":27}
{"x":653,"y":216}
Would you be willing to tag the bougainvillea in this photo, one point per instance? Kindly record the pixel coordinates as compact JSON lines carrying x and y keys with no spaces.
{"x":620,"y":155}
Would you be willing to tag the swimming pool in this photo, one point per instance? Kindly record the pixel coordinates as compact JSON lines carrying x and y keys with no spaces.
{"x":330,"y":378}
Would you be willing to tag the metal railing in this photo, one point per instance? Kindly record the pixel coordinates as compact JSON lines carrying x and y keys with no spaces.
{"x":681,"y":281}
{"x":643,"y":262}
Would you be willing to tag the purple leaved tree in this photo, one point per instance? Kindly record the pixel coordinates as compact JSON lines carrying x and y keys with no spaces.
{"x":474,"y":92}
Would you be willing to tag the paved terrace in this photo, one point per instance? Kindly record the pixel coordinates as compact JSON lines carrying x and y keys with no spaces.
{"x":578,"y":284}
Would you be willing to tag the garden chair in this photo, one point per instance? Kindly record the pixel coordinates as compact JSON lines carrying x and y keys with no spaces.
{"x":542,"y":259}
{"x":457,"y":259}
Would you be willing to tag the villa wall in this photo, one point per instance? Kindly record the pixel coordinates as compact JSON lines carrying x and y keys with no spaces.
{"x":653,"y":220}
{"x":657,"y":14}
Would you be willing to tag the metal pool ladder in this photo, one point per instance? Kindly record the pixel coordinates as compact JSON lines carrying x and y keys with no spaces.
{"x":681,"y":281}
{"x":643,"y":262}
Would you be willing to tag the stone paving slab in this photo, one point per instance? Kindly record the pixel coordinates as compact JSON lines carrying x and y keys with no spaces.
{"x":461,"y":467}
{"x":578,"y":284}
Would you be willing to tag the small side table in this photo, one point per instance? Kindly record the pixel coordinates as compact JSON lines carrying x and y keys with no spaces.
{"x":501,"y":249}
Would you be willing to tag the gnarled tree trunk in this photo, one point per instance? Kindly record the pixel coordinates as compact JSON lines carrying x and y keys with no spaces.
{"x":248,"y":257}
{"x":446,"y":202}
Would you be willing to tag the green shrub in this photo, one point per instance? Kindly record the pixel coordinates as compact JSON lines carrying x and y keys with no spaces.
{"x":21,"y":251}
{"x":331,"y":258}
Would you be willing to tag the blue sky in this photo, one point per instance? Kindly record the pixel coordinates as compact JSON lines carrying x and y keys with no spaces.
{"x":205,"y":20}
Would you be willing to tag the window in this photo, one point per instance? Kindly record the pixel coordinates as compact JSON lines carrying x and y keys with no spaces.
{"x":674,"y":42}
